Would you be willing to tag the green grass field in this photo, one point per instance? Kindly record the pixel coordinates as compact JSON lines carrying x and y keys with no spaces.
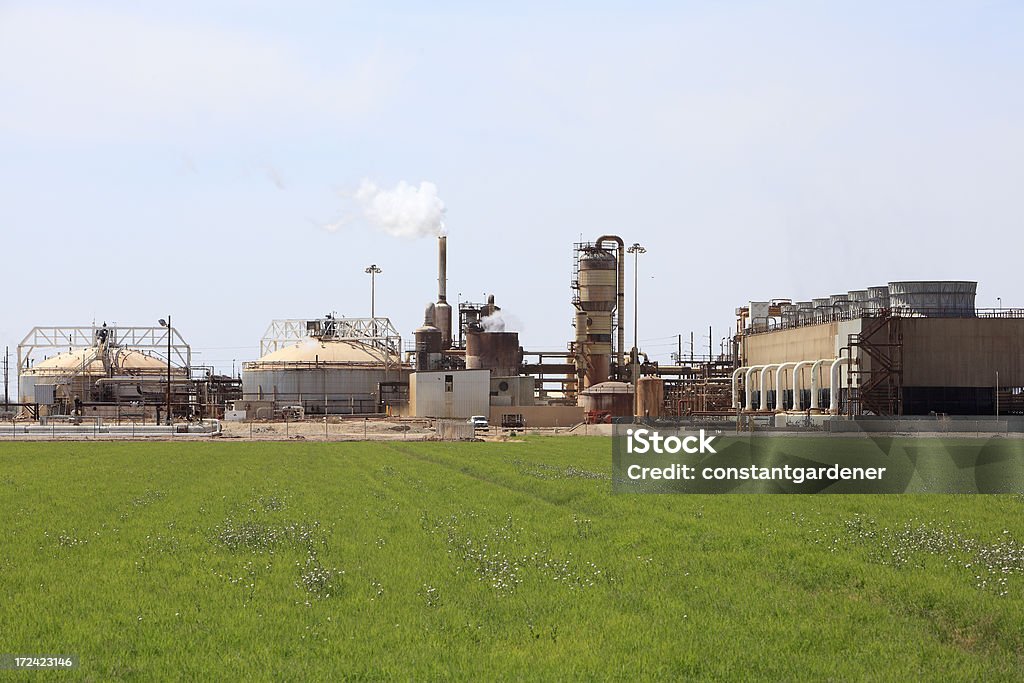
{"x":305,"y":561}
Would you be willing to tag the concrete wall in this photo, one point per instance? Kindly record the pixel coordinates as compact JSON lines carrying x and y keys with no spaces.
{"x":469,"y":394}
{"x":963,"y":352}
{"x":801,"y":343}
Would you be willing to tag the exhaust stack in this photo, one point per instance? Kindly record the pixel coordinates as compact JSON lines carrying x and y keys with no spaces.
{"x":442,"y":310}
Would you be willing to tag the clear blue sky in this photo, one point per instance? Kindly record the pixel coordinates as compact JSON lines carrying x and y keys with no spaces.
{"x":186,"y":157}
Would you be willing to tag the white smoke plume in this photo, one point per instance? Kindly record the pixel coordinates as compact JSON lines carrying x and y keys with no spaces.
{"x":493,"y":323}
{"x":404,"y":211}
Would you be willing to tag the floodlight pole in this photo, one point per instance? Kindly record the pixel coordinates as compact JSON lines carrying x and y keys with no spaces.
{"x":167,"y":324}
{"x":636,"y":250}
{"x":373,"y":270}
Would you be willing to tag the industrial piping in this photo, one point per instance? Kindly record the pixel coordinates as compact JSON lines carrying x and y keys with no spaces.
{"x":833,"y":399}
{"x":748,"y":388}
{"x":735,"y":387}
{"x":780,"y":395}
{"x":815,"y":382}
{"x":798,"y":403}
{"x":762,"y":404}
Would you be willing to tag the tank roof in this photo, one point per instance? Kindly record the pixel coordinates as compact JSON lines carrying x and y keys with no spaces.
{"x":124,"y":359}
{"x":328,"y":351}
{"x":609,"y":388}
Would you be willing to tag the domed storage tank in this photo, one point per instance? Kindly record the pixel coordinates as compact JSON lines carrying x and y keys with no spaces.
{"x":81,"y":372}
{"x":933,"y":298}
{"x":324,"y":377}
{"x":614,"y":397}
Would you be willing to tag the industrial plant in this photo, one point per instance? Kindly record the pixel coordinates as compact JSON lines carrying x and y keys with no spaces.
{"x":904,"y":348}
{"x":117,"y":373}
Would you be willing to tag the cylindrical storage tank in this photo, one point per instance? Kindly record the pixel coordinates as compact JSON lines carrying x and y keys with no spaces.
{"x":336,"y":376}
{"x":821,"y":309}
{"x":428,"y":348}
{"x":788,"y":313}
{"x":838,"y":305}
{"x":597,"y":280}
{"x":858,"y":301}
{"x":597,"y":292}
{"x":650,"y":396}
{"x":878,"y":298}
{"x":933,"y":298}
{"x":443,"y":322}
{"x":805,"y":312}
{"x":498,"y":352}
{"x":613,"y":397}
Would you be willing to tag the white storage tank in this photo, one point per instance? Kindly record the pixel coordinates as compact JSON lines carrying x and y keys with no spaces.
{"x":324,"y":376}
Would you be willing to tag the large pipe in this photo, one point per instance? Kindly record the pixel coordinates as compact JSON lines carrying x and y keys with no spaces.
{"x":442,"y":268}
{"x":814,"y":381}
{"x":735,"y":387}
{"x":780,"y":394}
{"x":763,"y":403}
{"x":749,"y":386}
{"x":833,"y":401}
{"x":620,"y":298}
{"x":798,"y":403}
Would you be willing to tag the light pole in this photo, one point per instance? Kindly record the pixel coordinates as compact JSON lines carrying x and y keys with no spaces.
{"x":1000,"y":300}
{"x":167,"y":324}
{"x":373,"y":270}
{"x":636,"y":250}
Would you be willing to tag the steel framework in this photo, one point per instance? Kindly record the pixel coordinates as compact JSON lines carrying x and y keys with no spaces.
{"x":376,"y":333}
{"x":153,"y":339}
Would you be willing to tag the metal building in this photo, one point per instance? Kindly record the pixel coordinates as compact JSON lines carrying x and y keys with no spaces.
{"x":909,"y":348}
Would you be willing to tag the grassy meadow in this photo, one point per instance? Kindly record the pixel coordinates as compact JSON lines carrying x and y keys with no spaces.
{"x":414,"y":560}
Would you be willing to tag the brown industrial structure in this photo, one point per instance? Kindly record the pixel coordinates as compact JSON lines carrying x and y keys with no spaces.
{"x":905,"y":348}
{"x":910,"y":348}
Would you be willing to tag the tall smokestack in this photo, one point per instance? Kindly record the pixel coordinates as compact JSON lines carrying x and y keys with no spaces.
{"x":442,"y":311}
{"x":442,"y":268}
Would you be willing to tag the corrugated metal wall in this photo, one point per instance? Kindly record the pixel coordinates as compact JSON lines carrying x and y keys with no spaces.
{"x":457,"y":393}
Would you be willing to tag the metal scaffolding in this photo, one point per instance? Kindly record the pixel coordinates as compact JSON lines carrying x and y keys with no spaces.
{"x":66,"y":338}
{"x":377,"y":334}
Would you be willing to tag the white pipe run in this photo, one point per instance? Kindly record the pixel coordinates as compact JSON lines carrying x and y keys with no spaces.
{"x":780,"y":395}
{"x":833,"y":401}
{"x":765,"y":369}
{"x":735,"y":387}
{"x":797,"y":389}
{"x":814,"y":381}
{"x":748,"y":386}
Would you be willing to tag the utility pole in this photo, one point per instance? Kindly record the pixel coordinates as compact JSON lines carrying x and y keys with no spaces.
{"x":679,"y":353}
{"x":691,"y":348}
{"x":7,"y":353}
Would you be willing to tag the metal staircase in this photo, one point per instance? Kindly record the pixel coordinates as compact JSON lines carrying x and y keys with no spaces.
{"x":880,"y":387}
